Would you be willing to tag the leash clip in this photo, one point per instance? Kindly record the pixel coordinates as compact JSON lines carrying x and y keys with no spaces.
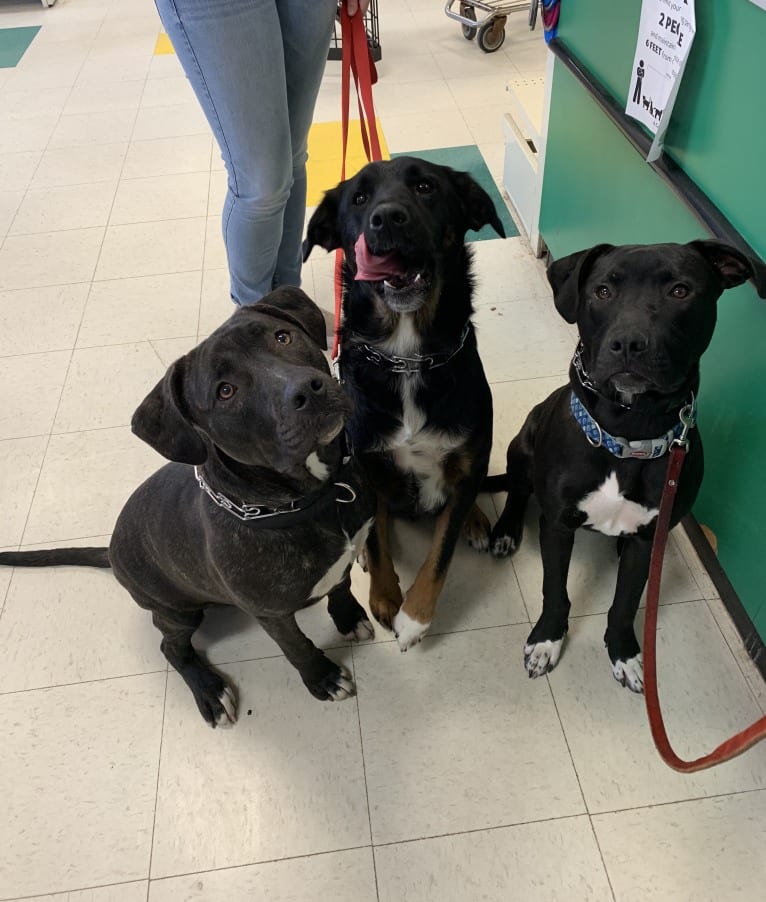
{"x":688,"y":418}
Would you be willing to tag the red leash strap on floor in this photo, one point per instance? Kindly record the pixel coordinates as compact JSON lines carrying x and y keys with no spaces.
{"x":356,"y":60}
{"x":741,"y":741}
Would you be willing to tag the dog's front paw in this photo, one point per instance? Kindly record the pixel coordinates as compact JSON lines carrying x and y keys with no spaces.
{"x":349,"y":617}
{"x":334,"y":684}
{"x":502,"y":545}
{"x":408,"y":632}
{"x":215,"y":699}
{"x":385,"y":608}
{"x":630,"y":673}
{"x":541,"y":657}
{"x":477,"y":529}
{"x":361,"y":632}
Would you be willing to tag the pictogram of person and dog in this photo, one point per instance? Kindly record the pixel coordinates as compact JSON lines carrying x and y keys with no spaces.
{"x":637,"y":96}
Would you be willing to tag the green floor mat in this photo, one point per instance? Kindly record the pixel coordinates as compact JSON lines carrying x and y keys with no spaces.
{"x":14,"y":43}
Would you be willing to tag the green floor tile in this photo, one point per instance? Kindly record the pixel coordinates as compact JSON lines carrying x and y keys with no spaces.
{"x":14,"y":43}
{"x":469,"y":159}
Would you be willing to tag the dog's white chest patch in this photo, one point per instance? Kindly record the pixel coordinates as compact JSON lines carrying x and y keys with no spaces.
{"x":611,"y":513}
{"x":315,"y":466}
{"x":414,"y":448}
{"x":334,"y":575}
{"x":422,"y":451}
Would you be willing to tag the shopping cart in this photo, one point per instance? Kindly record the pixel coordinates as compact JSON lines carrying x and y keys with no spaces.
{"x":490,"y":31}
{"x":372,"y":27}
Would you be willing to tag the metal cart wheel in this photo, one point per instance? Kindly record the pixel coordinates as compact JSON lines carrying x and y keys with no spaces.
{"x":490,"y":36}
{"x":468,"y":12}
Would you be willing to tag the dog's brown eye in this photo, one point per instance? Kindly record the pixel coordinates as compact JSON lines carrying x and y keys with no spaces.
{"x":424,"y":187}
{"x":225,"y":391}
{"x":680,"y":291}
{"x":603,"y":292}
{"x":283,"y":337}
{"x":360,"y":198}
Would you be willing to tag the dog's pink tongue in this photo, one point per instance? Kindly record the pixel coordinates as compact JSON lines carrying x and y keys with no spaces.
{"x":372,"y":268}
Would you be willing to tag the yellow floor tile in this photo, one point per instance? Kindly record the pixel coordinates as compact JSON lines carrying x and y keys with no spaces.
{"x":163,"y":45}
{"x":325,"y":151}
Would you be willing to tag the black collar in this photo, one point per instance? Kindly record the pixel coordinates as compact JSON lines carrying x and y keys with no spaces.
{"x":410,"y":366}
{"x":340,"y":490}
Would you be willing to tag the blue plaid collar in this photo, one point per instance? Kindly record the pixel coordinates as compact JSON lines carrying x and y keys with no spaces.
{"x":640,"y":449}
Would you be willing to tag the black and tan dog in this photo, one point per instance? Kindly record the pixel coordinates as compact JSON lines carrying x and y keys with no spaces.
{"x":422,"y":421}
{"x":593,"y":453}
{"x":260,"y":508}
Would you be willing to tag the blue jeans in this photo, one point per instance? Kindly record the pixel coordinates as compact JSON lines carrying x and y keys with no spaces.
{"x":256,"y":67}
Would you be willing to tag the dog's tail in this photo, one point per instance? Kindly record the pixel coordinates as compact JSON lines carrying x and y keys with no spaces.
{"x":54,"y":557}
{"x":497,"y":483}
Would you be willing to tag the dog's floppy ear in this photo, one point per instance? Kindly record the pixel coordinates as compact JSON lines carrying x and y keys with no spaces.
{"x":567,"y":275}
{"x":323,"y":226}
{"x":732,"y":265}
{"x":160,"y":420}
{"x":295,"y":306}
{"x":478,"y":205}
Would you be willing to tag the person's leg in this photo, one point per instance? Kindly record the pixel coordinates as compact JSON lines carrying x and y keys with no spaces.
{"x":231,"y":51}
{"x":306,"y":29}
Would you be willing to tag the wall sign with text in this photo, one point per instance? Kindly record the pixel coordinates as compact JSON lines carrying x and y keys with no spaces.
{"x":665,"y":36}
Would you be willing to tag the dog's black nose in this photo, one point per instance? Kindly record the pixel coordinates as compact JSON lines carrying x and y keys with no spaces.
{"x":387,"y":215}
{"x":309,"y":388}
{"x":629,"y":345}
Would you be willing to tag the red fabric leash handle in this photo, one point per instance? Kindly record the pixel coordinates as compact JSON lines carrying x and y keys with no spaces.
{"x":742,"y":740}
{"x":356,"y":60}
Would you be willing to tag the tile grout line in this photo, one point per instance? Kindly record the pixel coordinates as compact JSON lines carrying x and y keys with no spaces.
{"x":564,"y":817}
{"x":249,"y":864}
{"x":364,"y":774}
{"x":264,"y":657}
{"x":703,"y":798}
{"x":95,"y":347}
{"x":213,"y":145}
{"x":111,"y":207}
{"x":157,"y":786}
{"x":67,"y":892}
{"x":90,"y":288}
{"x":518,"y":581}
{"x":91,"y":281}
{"x":579,"y":784}
{"x":104,"y":679}
{"x":93,"y":43}
{"x":114,"y":225}
{"x":509,"y":826}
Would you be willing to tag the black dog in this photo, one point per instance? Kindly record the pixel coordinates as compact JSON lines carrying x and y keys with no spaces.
{"x":260,"y":509}
{"x":593,"y":452}
{"x":422,"y":418}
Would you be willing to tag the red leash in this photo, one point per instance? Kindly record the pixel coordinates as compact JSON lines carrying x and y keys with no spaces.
{"x":356,"y":60}
{"x":742,"y":740}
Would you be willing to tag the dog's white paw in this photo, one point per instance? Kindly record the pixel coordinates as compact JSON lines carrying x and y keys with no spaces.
{"x":630,"y":673}
{"x":361,"y":632}
{"x":502,"y":546}
{"x":542,"y":657}
{"x":479,"y":541}
{"x":228,"y":717}
{"x":408,"y":632}
{"x":343,"y":686}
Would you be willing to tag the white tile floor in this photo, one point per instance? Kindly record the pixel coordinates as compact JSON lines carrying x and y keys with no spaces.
{"x":450,"y":776}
